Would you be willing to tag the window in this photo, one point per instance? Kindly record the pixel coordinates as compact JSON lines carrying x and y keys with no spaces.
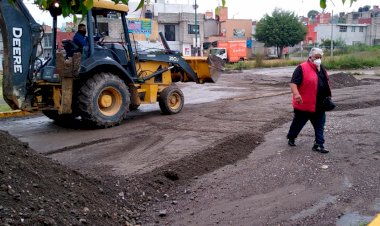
{"x":217,"y":51}
{"x":361,"y":29}
{"x":47,"y":41}
{"x":103,"y":28}
{"x":170,"y":32}
{"x":343,"y":29}
{"x":352,"y":29}
{"x":193,"y":29}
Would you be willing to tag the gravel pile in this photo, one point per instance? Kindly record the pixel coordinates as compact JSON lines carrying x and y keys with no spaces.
{"x":341,"y":80}
{"x":35,"y":190}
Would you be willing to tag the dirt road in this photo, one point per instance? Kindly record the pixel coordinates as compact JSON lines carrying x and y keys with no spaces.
{"x":224,"y":159}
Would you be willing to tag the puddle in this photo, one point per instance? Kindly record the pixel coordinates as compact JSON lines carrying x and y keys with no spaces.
{"x":196,"y":94}
{"x":353,"y":219}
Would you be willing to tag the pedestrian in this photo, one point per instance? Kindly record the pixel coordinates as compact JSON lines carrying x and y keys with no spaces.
{"x":80,"y":36}
{"x":310,"y":87}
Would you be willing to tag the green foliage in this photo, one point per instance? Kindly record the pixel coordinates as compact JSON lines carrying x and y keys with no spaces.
{"x":322,"y":3}
{"x":312,"y":14}
{"x":3,"y":105}
{"x":259,"y":60}
{"x":72,"y":7}
{"x":337,"y":44}
{"x":240,"y":65}
{"x":4,"y":108}
{"x":1,"y":86}
{"x":260,"y":63}
{"x":141,"y":4}
{"x":281,"y":29}
{"x":361,"y":56}
{"x":357,"y":60}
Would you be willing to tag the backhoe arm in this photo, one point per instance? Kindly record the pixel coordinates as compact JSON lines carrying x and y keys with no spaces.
{"x":21,"y":35}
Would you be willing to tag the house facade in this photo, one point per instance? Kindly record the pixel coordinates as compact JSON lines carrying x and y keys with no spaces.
{"x":362,"y":26}
{"x":351,"y":34}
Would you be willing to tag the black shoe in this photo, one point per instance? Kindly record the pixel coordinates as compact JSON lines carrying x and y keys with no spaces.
{"x":320,"y":149}
{"x":291,"y":142}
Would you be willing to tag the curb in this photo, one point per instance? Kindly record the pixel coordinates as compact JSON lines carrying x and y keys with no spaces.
{"x":17,"y":113}
{"x":375,"y":221}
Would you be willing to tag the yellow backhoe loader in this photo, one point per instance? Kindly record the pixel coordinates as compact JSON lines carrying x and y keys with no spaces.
{"x":100,"y":82}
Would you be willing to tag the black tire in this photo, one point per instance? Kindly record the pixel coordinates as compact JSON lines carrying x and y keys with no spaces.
{"x":171,"y":100}
{"x":103,"y":100}
{"x":133,"y":107}
{"x":134,"y":95}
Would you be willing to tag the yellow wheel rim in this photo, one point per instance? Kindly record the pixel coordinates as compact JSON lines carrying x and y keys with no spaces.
{"x":174,"y":101}
{"x":109,"y":101}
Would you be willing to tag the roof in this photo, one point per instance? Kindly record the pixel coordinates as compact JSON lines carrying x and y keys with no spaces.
{"x":110,"y":5}
{"x":354,"y":25}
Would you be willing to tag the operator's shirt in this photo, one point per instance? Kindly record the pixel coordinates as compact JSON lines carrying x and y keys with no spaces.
{"x":80,"y":40}
{"x":323,"y":89}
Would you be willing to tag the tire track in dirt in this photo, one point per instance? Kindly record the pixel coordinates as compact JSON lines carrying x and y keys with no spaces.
{"x":187,"y":129}
{"x":227,"y":151}
{"x":357,"y":105}
{"x":81,"y":145}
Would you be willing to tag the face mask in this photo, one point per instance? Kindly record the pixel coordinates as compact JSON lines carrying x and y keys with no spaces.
{"x":318,"y":62}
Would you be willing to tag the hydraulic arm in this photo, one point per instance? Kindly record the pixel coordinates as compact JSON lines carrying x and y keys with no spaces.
{"x":21,"y":35}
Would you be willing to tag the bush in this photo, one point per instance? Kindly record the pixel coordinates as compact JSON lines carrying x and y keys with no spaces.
{"x":352,"y":62}
{"x":3,"y":105}
{"x":239,"y":65}
{"x":259,"y":59}
{"x":355,"y":60}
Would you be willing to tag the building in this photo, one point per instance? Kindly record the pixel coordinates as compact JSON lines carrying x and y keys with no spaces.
{"x":47,"y":40}
{"x":180,"y":30}
{"x":361,"y":27}
{"x":221,"y":28}
{"x":367,"y":16}
{"x":351,"y":34}
{"x":177,"y":23}
{"x":230,"y":29}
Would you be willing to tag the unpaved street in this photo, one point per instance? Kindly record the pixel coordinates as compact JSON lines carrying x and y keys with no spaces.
{"x":224,"y":159}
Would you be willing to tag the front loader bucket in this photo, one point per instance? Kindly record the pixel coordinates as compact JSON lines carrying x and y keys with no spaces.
{"x":207,"y":69}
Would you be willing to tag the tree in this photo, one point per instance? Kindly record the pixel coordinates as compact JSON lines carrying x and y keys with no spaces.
{"x":312,"y":14}
{"x":281,"y":30}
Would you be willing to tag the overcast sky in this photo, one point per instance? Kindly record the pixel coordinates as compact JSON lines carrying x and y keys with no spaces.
{"x":243,"y":9}
{"x":256,"y":9}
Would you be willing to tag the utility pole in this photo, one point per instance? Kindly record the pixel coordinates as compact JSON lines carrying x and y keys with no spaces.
{"x":332,"y":31}
{"x":196,"y":29}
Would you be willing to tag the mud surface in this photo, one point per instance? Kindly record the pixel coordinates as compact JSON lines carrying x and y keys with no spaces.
{"x":218,"y":162}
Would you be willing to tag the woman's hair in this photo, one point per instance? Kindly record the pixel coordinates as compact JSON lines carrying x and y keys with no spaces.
{"x":315,"y":50}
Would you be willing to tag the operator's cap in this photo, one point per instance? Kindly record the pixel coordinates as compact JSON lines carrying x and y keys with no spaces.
{"x":316,"y":50}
